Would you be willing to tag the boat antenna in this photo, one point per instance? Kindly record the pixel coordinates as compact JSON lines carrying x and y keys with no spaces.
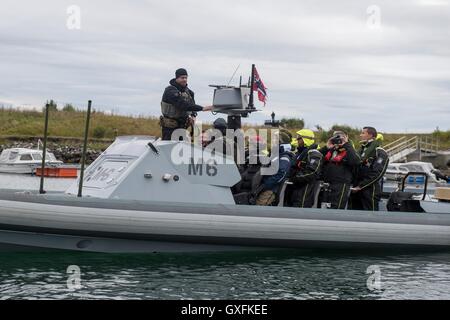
{"x":83,"y":155}
{"x":44,"y":149}
{"x":234,"y":73}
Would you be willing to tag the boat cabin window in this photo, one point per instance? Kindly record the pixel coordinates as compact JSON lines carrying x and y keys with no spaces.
{"x":51,"y":157}
{"x":13,"y":155}
{"x":26,"y":157}
{"x":37,"y":156}
{"x":4,"y":155}
{"x":403,"y":170}
{"x":413,"y":168}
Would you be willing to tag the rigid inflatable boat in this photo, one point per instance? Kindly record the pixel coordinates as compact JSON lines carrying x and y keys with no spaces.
{"x":136,"y":198}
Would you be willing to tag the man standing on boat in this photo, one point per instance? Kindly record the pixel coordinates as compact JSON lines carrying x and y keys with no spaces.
{"x":178,"y":105}
{"x":308,"y":163}
{"x":340,"y":161}
{"x":374,"y":161}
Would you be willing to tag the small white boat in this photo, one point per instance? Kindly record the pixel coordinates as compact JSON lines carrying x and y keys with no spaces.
{"x":24,"y":161}
{"x":395,"y":171}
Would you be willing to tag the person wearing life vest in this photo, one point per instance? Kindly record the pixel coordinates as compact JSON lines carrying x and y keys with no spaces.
{"x":306,"y":171}
{"x":271,"y":185}
{"x":250,"y":170}
{"x":366,"y":193}
{"x":220,"y":128}
{"x":178,"y":106}
{"x":340,"y":162}
{"x":219,"y":142}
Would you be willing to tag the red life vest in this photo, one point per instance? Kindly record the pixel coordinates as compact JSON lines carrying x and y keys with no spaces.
{"x":342,"y":153}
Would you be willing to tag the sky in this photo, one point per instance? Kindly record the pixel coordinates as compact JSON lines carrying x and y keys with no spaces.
{"x":379,"y":63}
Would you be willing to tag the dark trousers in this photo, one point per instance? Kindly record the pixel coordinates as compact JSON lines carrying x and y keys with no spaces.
{"x":337,"y":195}
{"x":303,"y":196}
{"x":167,"y":133}
{"x":366,"y":199}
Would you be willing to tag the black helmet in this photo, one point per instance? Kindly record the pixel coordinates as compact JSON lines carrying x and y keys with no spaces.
{"x":220,"y":124}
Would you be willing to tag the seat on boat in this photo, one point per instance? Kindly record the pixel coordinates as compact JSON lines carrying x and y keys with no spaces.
{"x":247,"y":188}
{"x":403,"y":202}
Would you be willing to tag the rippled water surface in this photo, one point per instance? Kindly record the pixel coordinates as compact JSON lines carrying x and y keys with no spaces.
{"x":262,"y":275}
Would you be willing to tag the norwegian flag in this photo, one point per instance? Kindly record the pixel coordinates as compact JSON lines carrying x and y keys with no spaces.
{"x":258,"y":85}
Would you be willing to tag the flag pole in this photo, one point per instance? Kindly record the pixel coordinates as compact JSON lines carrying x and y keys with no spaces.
{"x":252,"y":81}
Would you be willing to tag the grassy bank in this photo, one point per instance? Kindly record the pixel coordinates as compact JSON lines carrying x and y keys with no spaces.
{"x":69,"y":125}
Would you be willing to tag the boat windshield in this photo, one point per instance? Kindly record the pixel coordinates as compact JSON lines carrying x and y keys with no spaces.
{"x":4,"y":155}
{"x":13,"y":155}
{"x":37,"y":156}
{"x":416,"y":167}
{"x":51,"y":157}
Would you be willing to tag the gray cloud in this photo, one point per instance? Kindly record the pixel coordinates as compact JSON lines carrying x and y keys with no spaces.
{"x":318,"y":58}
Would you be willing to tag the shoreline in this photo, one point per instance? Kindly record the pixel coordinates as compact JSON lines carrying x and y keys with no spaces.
{"x":67,"y":150}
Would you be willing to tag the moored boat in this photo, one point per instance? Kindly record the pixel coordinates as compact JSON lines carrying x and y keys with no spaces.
{"x":24,"y":161}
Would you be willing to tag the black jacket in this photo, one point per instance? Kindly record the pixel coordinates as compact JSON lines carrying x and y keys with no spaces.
{"x":373,"y":166}
{"x":344,"y":171}
{"x":172,"y":95}
{"x":308,"y":163}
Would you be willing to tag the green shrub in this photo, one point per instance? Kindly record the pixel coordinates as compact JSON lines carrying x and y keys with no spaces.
{"x":292,"y":123}
{"x":99,"y":132}
{"x":52,"y":106}
{"x":68,"y":108}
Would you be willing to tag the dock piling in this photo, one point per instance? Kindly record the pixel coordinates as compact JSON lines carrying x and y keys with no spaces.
{"x":83,"y":155}
{"x":44,"y":149}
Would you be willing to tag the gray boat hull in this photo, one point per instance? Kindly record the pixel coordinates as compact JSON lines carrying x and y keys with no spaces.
{"x":106,"y":225}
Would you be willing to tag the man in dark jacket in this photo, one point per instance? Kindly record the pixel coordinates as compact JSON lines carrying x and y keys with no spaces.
{"x":374,"y":161}
{"x":272,"y":184}
{"x":178,"y":105}
{"x":219,"y":142}
{"x":307,"y":167}
{"x":340,"y":164}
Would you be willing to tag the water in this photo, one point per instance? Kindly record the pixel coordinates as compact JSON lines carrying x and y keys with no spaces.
{"x":270,"y":275}
{"x":249,"y":275}
{"x":28,"y":182}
